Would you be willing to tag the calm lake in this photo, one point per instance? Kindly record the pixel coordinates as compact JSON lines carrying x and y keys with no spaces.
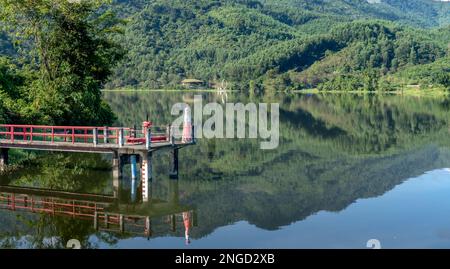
{"x":348,"y":169}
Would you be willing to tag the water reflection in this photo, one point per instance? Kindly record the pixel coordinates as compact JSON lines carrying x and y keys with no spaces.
{"x":334,"y":151}
{"x":120,"y":215}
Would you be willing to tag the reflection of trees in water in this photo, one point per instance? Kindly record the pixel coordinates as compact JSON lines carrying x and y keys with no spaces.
{"x":377,"y":123}
{"x":288,"y":191}
{"x":47,"y":230}
{"x":334,"y":150}
{"x":70,"y":172}
{"x":55,"y":231}
{"x":355,"y":123}
{"x":73,"y":172}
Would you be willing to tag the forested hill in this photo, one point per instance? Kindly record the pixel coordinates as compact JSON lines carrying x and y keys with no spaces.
{"x":279,"y":44}
{"x":282,"y":43}
{"x":423,"y":13}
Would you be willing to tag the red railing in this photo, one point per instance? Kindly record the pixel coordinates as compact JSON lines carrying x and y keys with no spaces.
{"x":84,"y":210}
{"x":50,"y":205}
{"x":77,"y":134}
{"x":79,"y":209}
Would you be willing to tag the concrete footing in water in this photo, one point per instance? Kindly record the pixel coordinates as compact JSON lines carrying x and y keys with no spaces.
{"x":142,"y":161}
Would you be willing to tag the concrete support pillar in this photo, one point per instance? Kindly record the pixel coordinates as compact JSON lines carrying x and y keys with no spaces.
{"x":133,"y":190}
{"x":117,"y":173}
{"x":146,"y":175}
{"x":3,"y":159}
{"x":173,"y":174}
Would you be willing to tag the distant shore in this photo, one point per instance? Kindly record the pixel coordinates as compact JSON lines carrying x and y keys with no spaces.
{"x":437,"y":92}
{"x":157,"y":90}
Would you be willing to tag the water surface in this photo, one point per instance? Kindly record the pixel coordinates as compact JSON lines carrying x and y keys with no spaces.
{"x":348,"y":169}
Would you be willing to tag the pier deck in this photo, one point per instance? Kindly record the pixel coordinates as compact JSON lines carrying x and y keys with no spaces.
{"x":127,"y":145}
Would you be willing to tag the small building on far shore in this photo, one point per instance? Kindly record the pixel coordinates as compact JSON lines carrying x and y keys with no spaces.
{"x":191,"y":83}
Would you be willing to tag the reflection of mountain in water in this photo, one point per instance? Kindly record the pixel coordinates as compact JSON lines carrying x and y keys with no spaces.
{"x":334,"y":150}
{"x":272,"y":200}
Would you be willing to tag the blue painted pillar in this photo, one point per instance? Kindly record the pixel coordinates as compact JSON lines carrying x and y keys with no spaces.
{"x":133,"y":167}
{"x":133,"y":190}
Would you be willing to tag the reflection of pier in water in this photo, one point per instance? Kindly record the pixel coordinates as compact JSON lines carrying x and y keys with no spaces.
{"x":122,"y":143}
{"x":108,"y":213}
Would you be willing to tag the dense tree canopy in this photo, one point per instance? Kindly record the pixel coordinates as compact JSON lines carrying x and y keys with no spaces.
{"x":67,"y":54}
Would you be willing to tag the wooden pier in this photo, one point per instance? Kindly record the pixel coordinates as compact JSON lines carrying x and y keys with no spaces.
{"x":125,"y":144}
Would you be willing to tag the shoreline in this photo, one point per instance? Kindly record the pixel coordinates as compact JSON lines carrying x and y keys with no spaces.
{"x":163,"y":90}
{"x":407,"y":92}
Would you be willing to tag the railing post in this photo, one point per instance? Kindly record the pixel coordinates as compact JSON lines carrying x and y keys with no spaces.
{"x":148,"y":138}
{"x":121,"y":223}
{"x":95,"y":136}
{"x":121,"y":138}
{"x":96,"y":220}
{"x":12,"y":134}
{"x":168,"y":133}
{"x":148,"y":227}
{"x":172,"y":136}
{"x":105,"y":134}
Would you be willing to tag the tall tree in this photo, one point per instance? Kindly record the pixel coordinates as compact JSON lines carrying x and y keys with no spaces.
{"x":72,"y":55}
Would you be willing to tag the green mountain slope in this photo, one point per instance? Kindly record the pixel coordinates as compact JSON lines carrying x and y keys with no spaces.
{"x":240,"y":41}
{"x":277,"y":44}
